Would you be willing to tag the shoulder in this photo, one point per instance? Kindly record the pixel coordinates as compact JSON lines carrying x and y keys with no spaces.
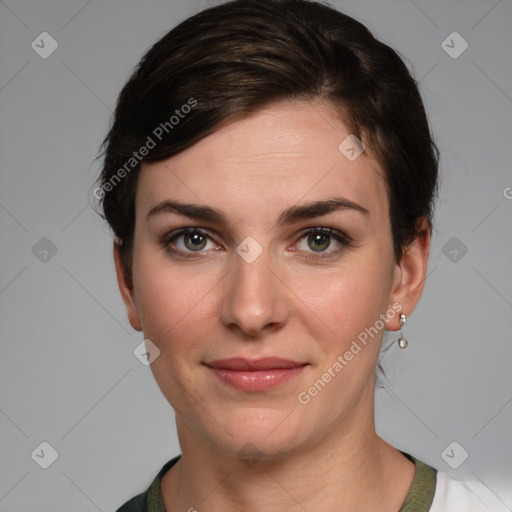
{"x":464,"y":496}
{"x":136,"y":504}
{"x":151,"y":499}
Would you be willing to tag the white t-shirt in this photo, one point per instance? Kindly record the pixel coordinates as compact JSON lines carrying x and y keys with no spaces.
{"x":464,"y":496}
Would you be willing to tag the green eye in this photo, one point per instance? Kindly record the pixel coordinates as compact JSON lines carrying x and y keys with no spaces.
{"x":319,"y":241}
{"x":323,"y":243}
{"x":194,"y":241}
{"x":188,"y":240}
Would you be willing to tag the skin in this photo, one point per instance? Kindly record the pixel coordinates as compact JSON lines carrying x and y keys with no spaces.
{"x":289,"y":303}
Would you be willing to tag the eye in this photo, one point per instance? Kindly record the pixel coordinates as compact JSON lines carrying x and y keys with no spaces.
{"x":319,"y":240}
{"x":189,"y":240}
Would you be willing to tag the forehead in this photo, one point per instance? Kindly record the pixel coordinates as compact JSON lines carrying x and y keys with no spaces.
{"x":280,"y":156}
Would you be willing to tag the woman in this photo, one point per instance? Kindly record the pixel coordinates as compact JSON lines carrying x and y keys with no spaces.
{"x":270,"y":177}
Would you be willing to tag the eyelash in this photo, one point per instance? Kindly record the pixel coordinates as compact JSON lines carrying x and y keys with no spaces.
{"x":341,"y":238}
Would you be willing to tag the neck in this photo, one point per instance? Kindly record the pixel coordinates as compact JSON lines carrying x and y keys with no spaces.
{"x":349,"y":469}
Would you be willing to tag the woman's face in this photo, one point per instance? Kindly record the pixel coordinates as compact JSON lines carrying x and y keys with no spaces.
{"x":250,"y":280}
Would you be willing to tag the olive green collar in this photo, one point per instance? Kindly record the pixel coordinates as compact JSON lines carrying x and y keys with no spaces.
{"x":423,"y":488}
{"x":419,"y":498}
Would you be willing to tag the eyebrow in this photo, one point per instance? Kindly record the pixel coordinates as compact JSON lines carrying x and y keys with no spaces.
{"x":289,"y":216}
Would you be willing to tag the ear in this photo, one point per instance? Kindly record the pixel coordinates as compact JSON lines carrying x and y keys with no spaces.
{"x":126,"y":288}
{"x":410,"y":274}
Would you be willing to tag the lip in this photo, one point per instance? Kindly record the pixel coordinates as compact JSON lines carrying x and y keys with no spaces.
{"x":263,"y":363}
{"x":255,"y":374}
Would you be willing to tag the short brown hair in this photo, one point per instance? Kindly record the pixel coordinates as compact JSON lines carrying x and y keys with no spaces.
{"x":233,"y":59}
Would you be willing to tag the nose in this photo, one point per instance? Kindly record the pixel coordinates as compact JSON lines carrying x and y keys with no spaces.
{"x":255,"y":299}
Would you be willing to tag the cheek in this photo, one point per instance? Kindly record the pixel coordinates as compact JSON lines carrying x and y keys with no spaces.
{"x":175,"y":302}
{"x":350,"y":297}
{"x":176,"y":313}
{"x":168,"y":300}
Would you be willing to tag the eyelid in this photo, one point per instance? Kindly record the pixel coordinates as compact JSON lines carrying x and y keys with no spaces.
{"x":329,"y":230}
{"x":188,"y":229}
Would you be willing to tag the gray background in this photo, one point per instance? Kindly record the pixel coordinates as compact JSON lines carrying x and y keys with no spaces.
{"x":68,"y":373}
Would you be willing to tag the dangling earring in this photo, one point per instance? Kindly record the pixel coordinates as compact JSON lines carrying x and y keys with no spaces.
{"x":402,"y":342}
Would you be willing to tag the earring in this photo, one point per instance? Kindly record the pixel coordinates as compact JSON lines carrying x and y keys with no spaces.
{"x":402,"y":342}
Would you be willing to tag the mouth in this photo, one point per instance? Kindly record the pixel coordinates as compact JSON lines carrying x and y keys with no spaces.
{"x":255,"y":374}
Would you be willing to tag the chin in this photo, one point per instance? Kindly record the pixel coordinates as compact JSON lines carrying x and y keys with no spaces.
{"x":258,"y":433}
